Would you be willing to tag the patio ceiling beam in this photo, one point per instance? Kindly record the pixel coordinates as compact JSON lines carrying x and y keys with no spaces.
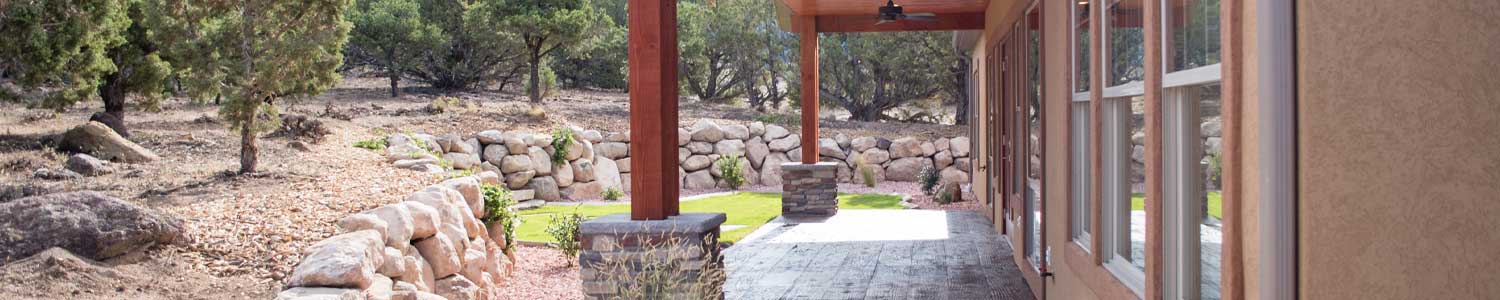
{"x":809,"y":47}
{"x":653,"y":109}
{"x":865,"y":23}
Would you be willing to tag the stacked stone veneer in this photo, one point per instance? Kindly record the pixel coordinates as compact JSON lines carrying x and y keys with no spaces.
{"x":680,"y":254}
{"x":810,"y":189}
{"x":432,"y":245}
{"x":597,"y":160}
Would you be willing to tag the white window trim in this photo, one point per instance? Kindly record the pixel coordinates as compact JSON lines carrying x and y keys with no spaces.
{"x":1181,"y":156}
{"x":1080,"y":180}
{"x":1115,"y":193}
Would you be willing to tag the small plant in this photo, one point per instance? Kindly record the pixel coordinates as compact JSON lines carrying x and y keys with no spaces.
{"x":460,"y":173}
{"x":866,"y":172}
{"x":947,"y":193}
{"x":928,"y":178}
{"x":660,"y":273}
{"x":1215,"y":166}
{"x":612,"y":194}
{"x":730,"y":168}
{"x":499,"y":209}
{"x":561,"y":138}
{"x":446,"y":104}
{"x":781,"y":119}
{"x":375,"y":143}
{"x":564,"y":229}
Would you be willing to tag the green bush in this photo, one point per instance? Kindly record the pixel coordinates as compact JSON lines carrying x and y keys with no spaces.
{"x":446,"y":104}
{"x":1215,"y":166}
{"x":928,"y":178}
{"x":780,"y":119}
{"x":499,"y":208}
{"x":561,"y":138}
{"x":730,"y":168}
{"x":866,"y":172}
{"x":613,"y":193}
{"x":375,"y":143}
{"x":564,"y":230}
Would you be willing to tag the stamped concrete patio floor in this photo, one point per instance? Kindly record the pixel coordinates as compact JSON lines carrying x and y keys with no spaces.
{"x":875,"y":254}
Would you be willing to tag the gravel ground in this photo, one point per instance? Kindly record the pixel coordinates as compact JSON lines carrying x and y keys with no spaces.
{"x":543,"y":274}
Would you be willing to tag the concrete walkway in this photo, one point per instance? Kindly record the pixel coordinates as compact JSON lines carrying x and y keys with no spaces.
{"x":875,"y":254}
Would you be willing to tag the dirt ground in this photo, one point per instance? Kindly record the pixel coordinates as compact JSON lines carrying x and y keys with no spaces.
{"x":246,"y":231}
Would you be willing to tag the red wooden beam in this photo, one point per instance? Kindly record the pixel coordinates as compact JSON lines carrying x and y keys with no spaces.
{"x":653,"y":106}
{"x":866,"y":23}
{"x":809,"y":48}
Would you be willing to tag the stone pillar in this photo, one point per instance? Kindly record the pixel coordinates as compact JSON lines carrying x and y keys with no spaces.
{"x":676,"y":258}
{"x":809,"y":189}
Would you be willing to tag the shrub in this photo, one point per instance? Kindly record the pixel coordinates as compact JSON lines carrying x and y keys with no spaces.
{"x":561,"y":138}
{"x":655,"y":274}
{"x":1215,"y":166}
{"x":446,"y":104}
{"x":730,"y":168}
{"x":929,"y":179}
{"x":780,"y":119}
{"x":564,"y":229}
{"x":612,"y":194}
{"x":375,"y":143}
{"x":866,"y":173}
{"x":499,"y":208}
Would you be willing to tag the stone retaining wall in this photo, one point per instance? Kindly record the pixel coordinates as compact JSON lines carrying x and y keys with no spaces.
{"x":598,"y":160}
{"x":428,"y":245}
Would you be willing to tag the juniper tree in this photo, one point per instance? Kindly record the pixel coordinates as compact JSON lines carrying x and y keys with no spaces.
{"x":544,"y":27}
{"x":393,"y":34}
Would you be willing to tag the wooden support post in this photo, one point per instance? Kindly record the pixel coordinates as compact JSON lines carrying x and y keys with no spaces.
{"x":808,"y":32}
{"x":653,"y":107}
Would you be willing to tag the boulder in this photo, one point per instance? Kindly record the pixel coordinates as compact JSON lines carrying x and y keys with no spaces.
{"x":830,"y":148}
{"x":624,"y":165}
{"x":541,"y":162}
{"x":470,"y":146}
{"x":490,"y":137}
{"x":862,"y":144}
{"x":468,"y":186}
{"x":942,"y":159}
{"x":962,"y":164}
{"x":883,"y":144}
{"x":518,"y":179}
{"x":578,"y":149}
{"x":928,"y":149}
{"x":906,"y":169}
{"x":700,"y":180}
{"x":906,"y":147}
{"x":523,"y":195}
{"x":343,"y":261}
{"x":1213,"y":145}
{"x":457,"y":288}
{"x":418,"y":164}
{"x":437,"y":197}
{"x":843,"y":140}
{"x":757,"y":129}
{"x":959,"y":146}
{"x":785,"y":143}
{"x":90,"y":224}
{"x":703,"y":148}
{"x":516,"y":163}
{"x":418,"y":272}
{"x":953,"y":176}
{"x":490,"y":177}
{"x":756,"y":150}
{"x":319,"y":293}
{"x":515,"y":144}
{"x":583,"y":170}
{"x":462,"y":161}
{"x":449,"y":142}
{"x":545,"y":188}
{"x":441,"y":254}
{"x":592,"y":136}
{"x":612,"y":150}
{"x":97,"y":139}
{"x":770,"y":171}
{"x":697,"y":162}
{"x":876,"y":156}
{"x":730,"y":147}
{"x":683,"y":137}
{"x":942,"y":144}
{"x":538,"y":140}
{"x":362,"y":222}
{"x":1211,"y":129}
{"x":736,"y":132}
{"x":563,"y":174}
{"x":87,"y":165}
{"x":625,"y":182}
{"x":706,"y":131}
{"x":606,"y":173}
{"x":48,"y":174}
{"x":775,"y":132}
{"x":494,"y":153}
{"x":795,"y":154}
{"x":584,"y":191}
{"x":474,"y":260}
{"x":617,"y":137}
{"x":424,"y":219}
{"x":398,"y":221}
{"x":394,"y":264}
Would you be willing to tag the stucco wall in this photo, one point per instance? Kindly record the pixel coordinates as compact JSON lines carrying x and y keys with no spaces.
{"x":1399,"y":149}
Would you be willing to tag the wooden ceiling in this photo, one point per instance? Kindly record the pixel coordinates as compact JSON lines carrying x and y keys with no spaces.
{"x":870,"y":7}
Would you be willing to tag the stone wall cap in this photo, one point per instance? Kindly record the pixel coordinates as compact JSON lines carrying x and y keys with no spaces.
{"x":622,"y":224}
{"x":797,"y":166}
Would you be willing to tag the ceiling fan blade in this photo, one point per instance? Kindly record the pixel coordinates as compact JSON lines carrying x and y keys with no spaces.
{"x":922,"y":17}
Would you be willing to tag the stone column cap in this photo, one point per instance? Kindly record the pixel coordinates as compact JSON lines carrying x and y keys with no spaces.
{"x":797,"y":166}
{"x":622,"y":224}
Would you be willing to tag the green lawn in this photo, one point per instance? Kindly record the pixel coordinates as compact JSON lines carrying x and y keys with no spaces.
{"x":748,"y":209}
{"x":1215,"y":203}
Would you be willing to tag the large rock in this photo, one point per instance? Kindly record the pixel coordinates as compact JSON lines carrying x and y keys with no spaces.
{"x":770,"y":171}
{"x":942,"y":144}
{"x":519,"y":180}
{"x":563,"y":174}
{"x":756,"y":150}
{"x":862,"y":144}
{"x":786,"y":143}
{"x":343,"y":261}
{"x":624,"y":165}
{"x":928,"y":149}
{"x":457,"y":288}
{"x":538,"y":139}
{"x":697,"y":162}
{"x":612,"y":150}
{"x":736,"y":132}
{"x":462,"y":161}
{"x":540,"y":160}
{"x":617,"y":137}
{"x":830,"y":148}
{"x":707,"y":131}
{"x":906,"y":169}
{"x":89,"y":224}
{"x":703,"y":148}
{"x":468,"y":186}
{"x":545,"y":188}
{"x":97,"y":139}
{"x":843,"y":140}
{"x":875,"y":156}
{"x":700,"y":180}
{"x":962,"y":164}
{"x":757,"y":129}
{"x":399,"y":225}
{"x":474,"y":260}
{"x":489,"y":137}
{"x":774,"y":132}
{"x":450,"y":142}
{"x":394,"y":264}
{"x":515,"y":144}
{"x":584,"y":191}
{"x":943,"y":159}
{"x":606,"y":173}
{"x":424,"y":219}
{"x":516,"y":163}
{"x":593,"y":136}
{"x":583,"y":171}
{"x":730,"y":147}
{"x":906,"y":147}
{"x":319,"y":293}
{"x":1211,"y":129}
{"x":441,"y":252}
{"x":683,"y":137}
{"x":363,"y":222}
{"x":959,"y":146}
{"x":494,"y":153}
{"x":953,"y":176}
{"x":88,"y":165}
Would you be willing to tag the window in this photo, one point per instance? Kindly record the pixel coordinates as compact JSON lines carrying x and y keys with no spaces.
{"x":1190,"y":150}
{"x":1081,"y":177}
{"x":1123,"y":182}
{"x":1031,"y":107}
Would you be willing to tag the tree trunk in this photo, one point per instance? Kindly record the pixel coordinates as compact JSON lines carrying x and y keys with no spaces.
{"x":536,"y":80}
{"x":248,"y":149}
{"x":395,"y":84}
{"x":393,"y":72}
{"x":113,"y":94}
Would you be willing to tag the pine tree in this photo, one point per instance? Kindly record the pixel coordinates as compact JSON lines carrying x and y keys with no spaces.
{"x":393,"y":34}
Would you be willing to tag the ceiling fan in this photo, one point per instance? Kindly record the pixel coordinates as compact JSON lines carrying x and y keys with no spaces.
{"x":892,"y":13}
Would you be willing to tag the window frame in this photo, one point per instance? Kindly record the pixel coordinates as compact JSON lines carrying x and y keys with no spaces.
{"x":1080,"y":132}
{"x":1181,"y":135}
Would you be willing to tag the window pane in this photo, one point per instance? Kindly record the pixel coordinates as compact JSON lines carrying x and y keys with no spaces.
{"x":1194,"y":29}
{"x":1126,"y":42}
{"x":1135,"y":171}
{"x":1210,"y":201}
{"x":1033,"y":131}
{"x":1082,"y":168}
{"x":1081,"y":41}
